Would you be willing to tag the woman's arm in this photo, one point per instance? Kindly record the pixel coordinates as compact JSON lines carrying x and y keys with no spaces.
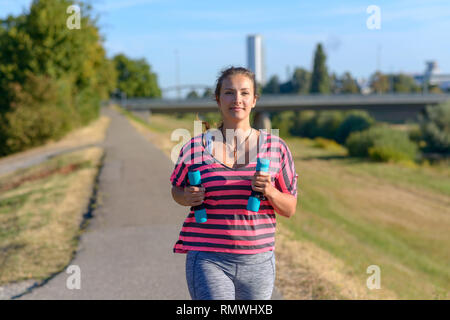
{"x":283,"y":203}
{"x":178,"y":195}
{"x":188,"y":196}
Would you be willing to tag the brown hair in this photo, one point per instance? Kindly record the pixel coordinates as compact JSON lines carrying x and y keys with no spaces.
{"x":225,"y":73}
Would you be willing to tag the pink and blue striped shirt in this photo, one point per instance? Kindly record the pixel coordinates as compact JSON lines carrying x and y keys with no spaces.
{"x":230,"y":226}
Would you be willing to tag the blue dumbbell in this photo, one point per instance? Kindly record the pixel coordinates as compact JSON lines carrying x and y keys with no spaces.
{"x":255,"y":199}
{"x":199,"y":211}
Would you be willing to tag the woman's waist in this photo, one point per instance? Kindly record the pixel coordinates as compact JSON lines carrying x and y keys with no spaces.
{"x":239,"y":258}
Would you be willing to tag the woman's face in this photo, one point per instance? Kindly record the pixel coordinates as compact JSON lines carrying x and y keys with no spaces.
{"x":237,"y":98}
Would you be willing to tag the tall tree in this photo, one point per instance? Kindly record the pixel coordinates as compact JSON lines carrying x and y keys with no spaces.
{"x":319,"y":80}
{"x":403,"y":83}
{"x":349,"y":84}
{"x":379,"y":82}
{"x":208,"y":93}
{"x":273,"y":86}
{"x":135,"y":77}
{"x":44,"y":65}
{"x":335,"y":84}
{"x":192,"y":95}
{"x":301,"y":81}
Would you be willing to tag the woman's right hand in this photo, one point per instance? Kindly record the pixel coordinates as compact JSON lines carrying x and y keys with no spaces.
{"x":193,"y":195}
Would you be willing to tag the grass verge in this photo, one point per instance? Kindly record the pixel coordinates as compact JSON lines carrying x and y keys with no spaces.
{"x":42,"y":207}
{"x":41,"y":210}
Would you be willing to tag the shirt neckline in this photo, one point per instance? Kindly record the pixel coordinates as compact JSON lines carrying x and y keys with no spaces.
{"x":250,"y":161}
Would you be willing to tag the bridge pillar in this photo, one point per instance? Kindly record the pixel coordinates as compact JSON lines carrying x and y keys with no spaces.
{"x":262,"y":121}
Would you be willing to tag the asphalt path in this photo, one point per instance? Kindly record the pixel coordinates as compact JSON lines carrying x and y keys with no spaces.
{"x":126,"y":249}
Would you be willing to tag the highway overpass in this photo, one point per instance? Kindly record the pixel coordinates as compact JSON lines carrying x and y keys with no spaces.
{"x":384,"y":107}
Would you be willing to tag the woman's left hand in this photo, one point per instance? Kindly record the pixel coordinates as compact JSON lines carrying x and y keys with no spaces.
{"x":261,"y":182}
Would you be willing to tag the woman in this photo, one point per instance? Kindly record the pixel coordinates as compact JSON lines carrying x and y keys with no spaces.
{"x":231,"y":256}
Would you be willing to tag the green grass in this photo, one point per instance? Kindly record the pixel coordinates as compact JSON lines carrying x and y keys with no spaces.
{"x":434,"y":180}
{"x":410,"y":261}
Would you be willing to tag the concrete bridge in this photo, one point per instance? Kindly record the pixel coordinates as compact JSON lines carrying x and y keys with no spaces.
{"x":383,"y":107}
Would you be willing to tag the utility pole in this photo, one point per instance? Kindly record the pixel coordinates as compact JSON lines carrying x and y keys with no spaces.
{"x":379,"y":58}
{"x":391,"y":80}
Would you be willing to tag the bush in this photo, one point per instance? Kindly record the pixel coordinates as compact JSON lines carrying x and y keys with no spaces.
{"x":51,"y":78}
{"x":326,"y":124}
{"x":382,"y":143}
{"x":323,"y":143}
{"x":283,"y":121}
{"x":387,"y":153}
{"x":312,"y":124}
{"x":334,"y":125}
{"x":435,"y":128}
{"x":303,"y":123}
{"x":354,"y":121}
{"x":87,"y":104}
{"x":41,"y":110}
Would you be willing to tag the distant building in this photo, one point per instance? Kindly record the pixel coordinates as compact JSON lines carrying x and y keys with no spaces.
{"x":433,"y":76}
{"x":255,"y":57}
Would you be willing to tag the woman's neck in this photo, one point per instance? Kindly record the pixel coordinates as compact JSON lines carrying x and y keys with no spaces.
{"x":238,"y":129}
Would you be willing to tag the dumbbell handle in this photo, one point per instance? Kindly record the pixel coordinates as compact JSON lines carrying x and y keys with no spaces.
{"x":200,"y":210}
{"x":256,"y":197}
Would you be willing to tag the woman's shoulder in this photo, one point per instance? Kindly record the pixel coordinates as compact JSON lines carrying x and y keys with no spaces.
{"x":274,"y":139}
{"x":193,"y":142}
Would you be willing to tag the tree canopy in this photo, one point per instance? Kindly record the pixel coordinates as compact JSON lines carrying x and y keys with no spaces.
{"x":319,"y":79}
{"x":135,"y":77}
{"x":45,"y":66}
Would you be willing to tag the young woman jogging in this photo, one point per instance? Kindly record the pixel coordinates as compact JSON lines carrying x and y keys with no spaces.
{"x":231,"y":254}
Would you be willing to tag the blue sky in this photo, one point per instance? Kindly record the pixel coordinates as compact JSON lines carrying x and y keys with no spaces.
{"x":210,"y":35}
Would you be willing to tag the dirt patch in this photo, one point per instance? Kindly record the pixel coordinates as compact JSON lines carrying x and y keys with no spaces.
{"x":40,"y":175}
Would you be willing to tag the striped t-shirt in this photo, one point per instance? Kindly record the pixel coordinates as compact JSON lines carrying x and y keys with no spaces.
{"x":230,"y":226}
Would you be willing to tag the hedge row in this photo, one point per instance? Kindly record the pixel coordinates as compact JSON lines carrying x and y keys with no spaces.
{"x":363,"y":137}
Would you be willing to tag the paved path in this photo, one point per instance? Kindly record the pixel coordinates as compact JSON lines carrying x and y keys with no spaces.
{"x":126,"y":251}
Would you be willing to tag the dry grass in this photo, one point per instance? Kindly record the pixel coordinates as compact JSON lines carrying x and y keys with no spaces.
{"x":307,"y":272}
{"x":40,"y":220}
{"x":42,"y":207}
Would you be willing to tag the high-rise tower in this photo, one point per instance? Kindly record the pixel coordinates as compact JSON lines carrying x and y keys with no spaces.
{"x":255,"y":57}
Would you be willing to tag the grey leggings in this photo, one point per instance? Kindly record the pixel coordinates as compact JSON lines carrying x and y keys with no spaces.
{"x":229,"y":276}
